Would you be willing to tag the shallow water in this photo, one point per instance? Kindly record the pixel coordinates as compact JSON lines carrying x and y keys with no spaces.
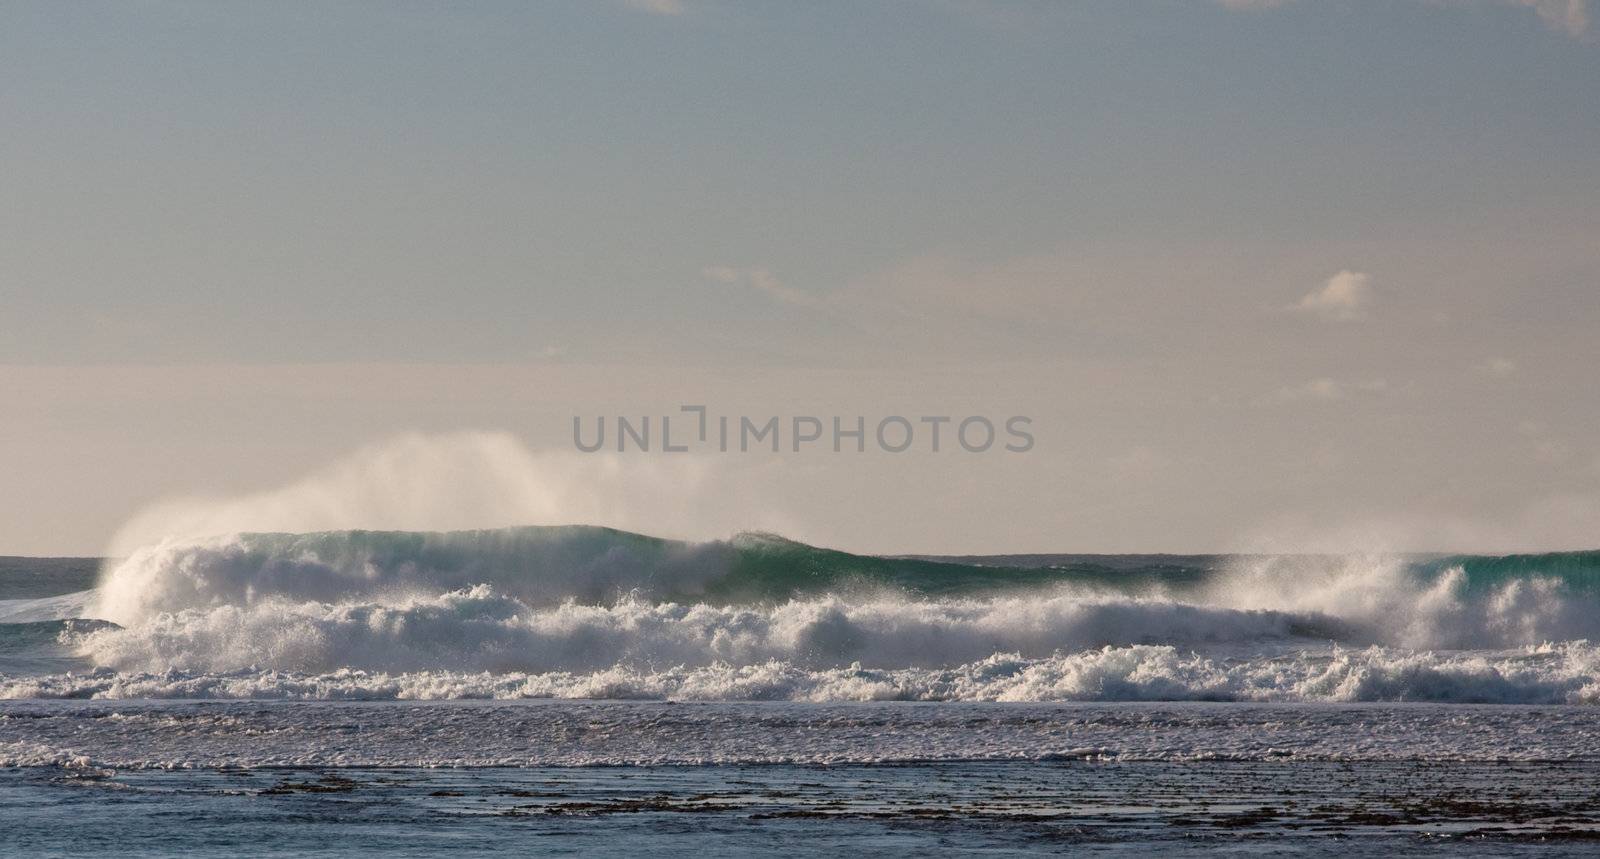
{"x":410,"y":778}
{"x":1007,"y":808}
{"x":126,"y":735}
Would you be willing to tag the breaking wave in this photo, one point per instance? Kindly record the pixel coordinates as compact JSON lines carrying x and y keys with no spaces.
{"x":594,"y":612}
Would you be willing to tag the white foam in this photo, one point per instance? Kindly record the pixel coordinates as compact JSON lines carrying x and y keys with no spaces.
{"x":1382,"y":593}
{"x":478,"y":629}
{"x":1566,"y":674}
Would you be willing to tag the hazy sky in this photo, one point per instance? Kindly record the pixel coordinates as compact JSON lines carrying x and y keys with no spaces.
{"x":1285,"y":275}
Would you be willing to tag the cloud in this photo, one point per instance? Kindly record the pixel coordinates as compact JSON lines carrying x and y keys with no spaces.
{"x":656,"y":7}
{"x":762,"y":280}
{"x":1568,"y":16}
{"x":1343,"y":298}
{"x":1328,"y":390}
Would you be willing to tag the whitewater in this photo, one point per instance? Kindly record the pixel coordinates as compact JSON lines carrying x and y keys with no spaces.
{"x":576,"y":612}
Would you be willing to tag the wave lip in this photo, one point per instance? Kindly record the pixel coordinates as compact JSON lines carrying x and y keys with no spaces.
{"x":540,"y":565}
{"x":535,"y":564}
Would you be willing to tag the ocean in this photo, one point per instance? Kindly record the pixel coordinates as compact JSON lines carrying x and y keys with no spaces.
{"x":575,"y":689}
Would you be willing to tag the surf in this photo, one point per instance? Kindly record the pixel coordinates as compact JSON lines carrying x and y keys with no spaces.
{"x":589,"y":611}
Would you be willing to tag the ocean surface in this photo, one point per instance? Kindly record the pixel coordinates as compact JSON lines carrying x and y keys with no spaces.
{"x":573,"y":689}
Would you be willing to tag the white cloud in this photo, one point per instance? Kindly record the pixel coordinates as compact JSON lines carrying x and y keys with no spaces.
{"x":1328,"y":390}
{"x":1343,"y":298}
{"x":656,"y":7}
{"x":1500,"y":367}
{"x":1568,"y":16}
{"x":759,"y":279}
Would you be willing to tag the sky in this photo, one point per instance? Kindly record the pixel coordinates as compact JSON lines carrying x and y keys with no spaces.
{"x":1265,"y":275}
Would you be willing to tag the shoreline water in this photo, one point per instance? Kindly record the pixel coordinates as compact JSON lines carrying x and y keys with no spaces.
{"x":1000,"y":807}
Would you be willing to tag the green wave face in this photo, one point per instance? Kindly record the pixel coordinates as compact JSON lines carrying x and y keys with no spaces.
{"x":550,"y":563}
{"x":43,"y":634}
{"x":1577,"y":571}
{"x":771,"y":568}
{"x":767,"y":567}
{"x":588,"y":564}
